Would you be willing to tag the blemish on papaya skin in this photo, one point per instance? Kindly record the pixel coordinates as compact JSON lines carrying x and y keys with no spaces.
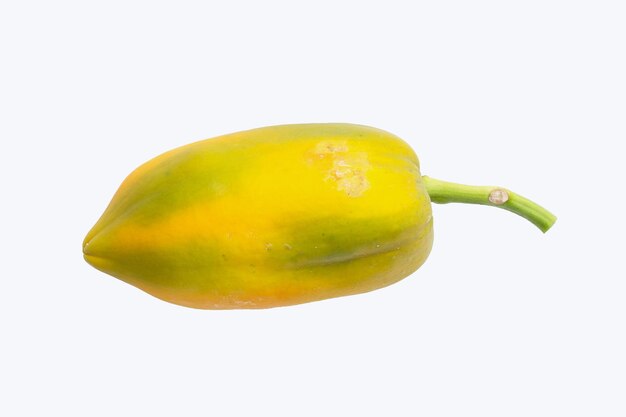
{"x":347,"y":169}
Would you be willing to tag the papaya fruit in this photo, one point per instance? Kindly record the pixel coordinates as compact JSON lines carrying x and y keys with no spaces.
{"x":278,"y":216}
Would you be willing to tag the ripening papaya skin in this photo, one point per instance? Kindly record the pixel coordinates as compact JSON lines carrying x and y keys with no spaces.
{"x":271,"y":217}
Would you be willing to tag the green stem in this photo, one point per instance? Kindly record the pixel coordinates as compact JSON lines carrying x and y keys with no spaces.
{"x":448,"y":192}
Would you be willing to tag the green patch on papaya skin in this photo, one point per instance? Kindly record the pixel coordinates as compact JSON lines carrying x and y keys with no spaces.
{"x":192,"y":266}
{"x":326,"y":241}
{"x":184,"y":179}
{"x":358,"y":274}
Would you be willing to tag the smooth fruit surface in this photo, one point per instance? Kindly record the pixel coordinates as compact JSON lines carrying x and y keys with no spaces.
{"x":268,"y":217}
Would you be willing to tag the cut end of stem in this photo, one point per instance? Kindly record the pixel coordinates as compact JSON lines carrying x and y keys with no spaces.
{"x":443,"y":192}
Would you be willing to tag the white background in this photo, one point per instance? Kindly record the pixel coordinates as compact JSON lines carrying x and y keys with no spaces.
{"x":500,"y":321}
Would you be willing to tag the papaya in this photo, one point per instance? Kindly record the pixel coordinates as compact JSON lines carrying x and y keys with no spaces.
{"x":278,"y":216}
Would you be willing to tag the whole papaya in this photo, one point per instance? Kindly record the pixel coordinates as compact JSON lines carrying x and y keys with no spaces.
{"x":278,"y":216}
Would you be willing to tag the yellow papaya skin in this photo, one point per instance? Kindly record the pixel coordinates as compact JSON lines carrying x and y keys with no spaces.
{"x":268,"y":217}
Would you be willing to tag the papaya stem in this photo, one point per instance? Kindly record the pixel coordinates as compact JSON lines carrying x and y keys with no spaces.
{"x":442,"y":192}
